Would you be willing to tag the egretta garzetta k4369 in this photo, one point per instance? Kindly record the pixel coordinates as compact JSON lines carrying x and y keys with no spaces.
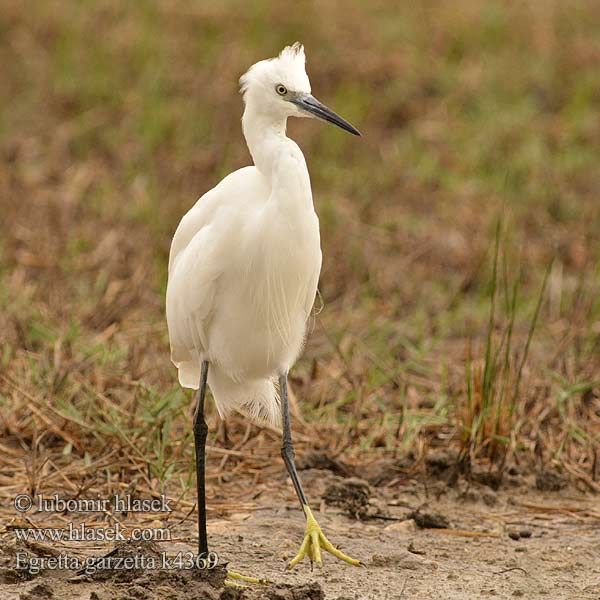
{"x":243,"y":273}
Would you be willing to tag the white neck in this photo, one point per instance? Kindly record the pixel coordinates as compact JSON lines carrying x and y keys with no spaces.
{"x":265,"y":136}
{"x":278,"y":158}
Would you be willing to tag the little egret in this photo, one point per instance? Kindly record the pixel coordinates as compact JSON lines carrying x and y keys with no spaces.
{"x":243,"y":272}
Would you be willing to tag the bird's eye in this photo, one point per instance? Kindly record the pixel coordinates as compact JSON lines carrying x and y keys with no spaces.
{"x":281,"y":89}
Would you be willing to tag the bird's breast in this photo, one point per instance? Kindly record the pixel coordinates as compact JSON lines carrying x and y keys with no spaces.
{"x":266,"y":299}
{"x":289,"y":261}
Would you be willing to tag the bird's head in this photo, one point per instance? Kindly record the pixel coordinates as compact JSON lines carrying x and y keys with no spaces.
{"x":280,"y":87}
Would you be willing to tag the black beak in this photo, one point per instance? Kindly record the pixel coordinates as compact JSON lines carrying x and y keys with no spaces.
{"x":311,"y":105}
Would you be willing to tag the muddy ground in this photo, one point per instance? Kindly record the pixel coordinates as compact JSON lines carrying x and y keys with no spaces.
{"x":416,"y":541}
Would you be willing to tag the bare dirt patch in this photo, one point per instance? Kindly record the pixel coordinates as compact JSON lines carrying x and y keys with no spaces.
{"x":454,"y":544}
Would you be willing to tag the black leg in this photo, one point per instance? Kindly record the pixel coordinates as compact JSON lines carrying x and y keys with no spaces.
{"x":200,"y":433}
{"x":287,"y":449}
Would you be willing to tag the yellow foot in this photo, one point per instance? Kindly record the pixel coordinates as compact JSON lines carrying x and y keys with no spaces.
{"x":233,"y":579}
{"x":314,"y":540}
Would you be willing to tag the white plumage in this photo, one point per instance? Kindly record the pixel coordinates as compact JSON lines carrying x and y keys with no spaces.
{"x":245,"y":260}
{"x":243,"y":273}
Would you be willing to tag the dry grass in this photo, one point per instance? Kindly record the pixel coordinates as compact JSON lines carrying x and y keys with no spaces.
{"x":116,"y":117}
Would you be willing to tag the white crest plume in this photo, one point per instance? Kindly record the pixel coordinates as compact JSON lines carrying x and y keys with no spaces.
{"x":288,"y":68}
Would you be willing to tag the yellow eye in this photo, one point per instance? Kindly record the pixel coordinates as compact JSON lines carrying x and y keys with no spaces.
{"x":281,"y":89}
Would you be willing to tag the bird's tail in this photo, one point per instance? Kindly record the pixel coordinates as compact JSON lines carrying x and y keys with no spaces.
{"x":255,"y":398}
{"x":189,"y":373}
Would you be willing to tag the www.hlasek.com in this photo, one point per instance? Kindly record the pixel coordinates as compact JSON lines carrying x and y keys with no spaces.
{"x":92,"y":564}
{"x":84,"y":533}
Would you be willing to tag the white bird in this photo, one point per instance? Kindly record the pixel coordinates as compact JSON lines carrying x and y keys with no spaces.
{"x":243,"y":272}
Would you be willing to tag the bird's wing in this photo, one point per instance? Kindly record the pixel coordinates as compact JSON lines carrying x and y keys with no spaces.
{"x":234,"y":193}
{"x":197,"y":258}
{"x":198,"y":217}
{"x":193,"y":275}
